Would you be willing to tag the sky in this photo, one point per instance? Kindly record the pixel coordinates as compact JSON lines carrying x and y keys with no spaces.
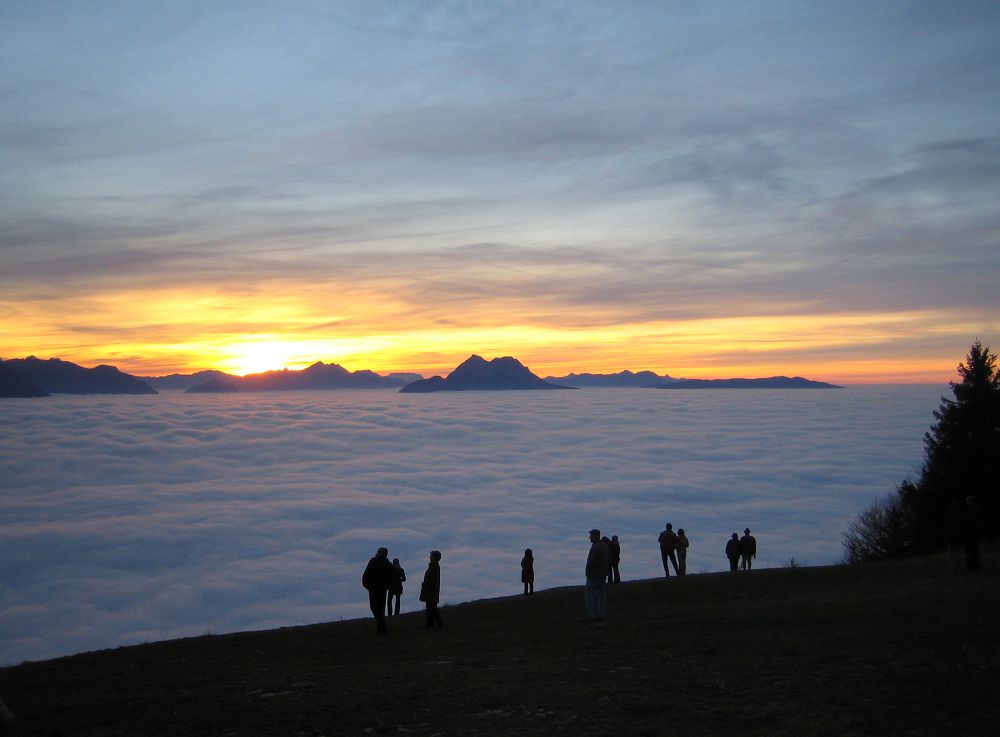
{"x":699,"y":189}
{"x":139,"y":518}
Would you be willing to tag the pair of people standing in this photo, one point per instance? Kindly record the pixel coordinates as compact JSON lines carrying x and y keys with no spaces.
{"x":673,"y":550}
{"x":384,"y":582}
{"x":741,"y":551}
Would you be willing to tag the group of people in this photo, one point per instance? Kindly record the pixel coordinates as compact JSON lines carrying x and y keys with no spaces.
{"x":741,"y":551}
{"x":384,"y":581}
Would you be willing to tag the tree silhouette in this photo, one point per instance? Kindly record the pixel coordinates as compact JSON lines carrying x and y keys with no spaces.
{"x":962,"y":452}
{"x":961,"y":459}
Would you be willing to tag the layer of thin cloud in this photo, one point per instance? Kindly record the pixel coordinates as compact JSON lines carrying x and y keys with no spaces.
{"x":129,"y":519}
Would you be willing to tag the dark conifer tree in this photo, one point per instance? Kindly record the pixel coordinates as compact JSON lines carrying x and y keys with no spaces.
{"x":961,"y":459}
{"x":962,"y":453}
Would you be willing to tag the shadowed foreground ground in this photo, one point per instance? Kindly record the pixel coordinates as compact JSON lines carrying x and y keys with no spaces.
{"x":899,"y":648}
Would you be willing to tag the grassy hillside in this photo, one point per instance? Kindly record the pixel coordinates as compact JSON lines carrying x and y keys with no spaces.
{"x":900,"y":648}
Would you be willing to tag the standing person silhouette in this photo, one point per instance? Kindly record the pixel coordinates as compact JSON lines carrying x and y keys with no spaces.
{"x":748,"y":550}
{"x":596,"y":593}
{"x":682,"y":551}
{"x":395,"y":589}
{"x":733,"y":552}
{"x":430,"y":590}
{"x":377,"y":578}
{"x":614,"y":558}
{"x":528,"y":572}
{"x":668,"y":544}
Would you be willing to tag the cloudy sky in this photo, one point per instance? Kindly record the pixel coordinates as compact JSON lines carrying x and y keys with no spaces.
{"x":711,"y":189}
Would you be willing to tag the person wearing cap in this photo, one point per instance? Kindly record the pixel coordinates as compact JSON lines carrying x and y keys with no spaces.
{"x":733,"y":552}
{"x":748,"y":550}
{"x":377,"y":579}
{"x":596,"y":593}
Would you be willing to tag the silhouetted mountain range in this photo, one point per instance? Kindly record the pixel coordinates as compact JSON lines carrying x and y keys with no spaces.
{"x":318,"y":376}
{"x":13,"y":384}
{"x":183,"y":382}
{"x":213,"y":386}
{"x":772,"y":382}
{"x":62,"y":377}
{"x":35,"y":377}
{"x":623,"y":378}
{"x":478,"y":374}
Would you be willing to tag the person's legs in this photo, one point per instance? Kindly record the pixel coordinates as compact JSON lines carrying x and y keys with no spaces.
{"x":673,"y":559}
{"x":376,"y":600}
{"x":666,"y":563}
{"x":590,"y":598}
{"x":602,"y":600}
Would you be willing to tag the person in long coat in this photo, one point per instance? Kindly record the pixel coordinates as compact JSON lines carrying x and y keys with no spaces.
{"x":377,"y":578}
{"x":395,"y":589}
{"x":528,"y":572}
{"x":430,"y":590}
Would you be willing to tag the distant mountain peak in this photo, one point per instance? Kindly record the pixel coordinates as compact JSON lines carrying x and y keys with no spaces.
{"x":477,"y":374}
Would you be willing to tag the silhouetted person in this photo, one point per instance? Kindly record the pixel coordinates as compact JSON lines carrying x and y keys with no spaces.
{"x":430,"y":590}
{"x":733,"y":552}
{"x":668,"y":544}
{"x":682,"y":551}
{"x":377,"y":579}
{"x":395,"y":589}
{"x":748,"y":550}
{"x":954,"y":533}
{"x":971,"y":532}
{"x":528,"y":572}
{"x":614,"y":558}
{"x":596,"y":593}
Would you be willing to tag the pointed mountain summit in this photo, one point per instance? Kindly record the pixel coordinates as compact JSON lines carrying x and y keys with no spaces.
{"x":478,"y":374}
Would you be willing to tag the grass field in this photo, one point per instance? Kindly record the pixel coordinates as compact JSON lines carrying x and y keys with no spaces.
{"x":901,"y":648}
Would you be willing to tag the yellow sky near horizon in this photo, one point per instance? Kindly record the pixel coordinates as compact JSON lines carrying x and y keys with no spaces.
{"x":153,"y":333}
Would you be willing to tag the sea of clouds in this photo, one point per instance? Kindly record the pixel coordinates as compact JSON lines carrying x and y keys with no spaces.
{"x":133,"y":519}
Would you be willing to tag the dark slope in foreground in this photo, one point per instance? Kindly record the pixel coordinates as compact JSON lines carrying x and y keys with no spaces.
{"x":900,"y":648}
